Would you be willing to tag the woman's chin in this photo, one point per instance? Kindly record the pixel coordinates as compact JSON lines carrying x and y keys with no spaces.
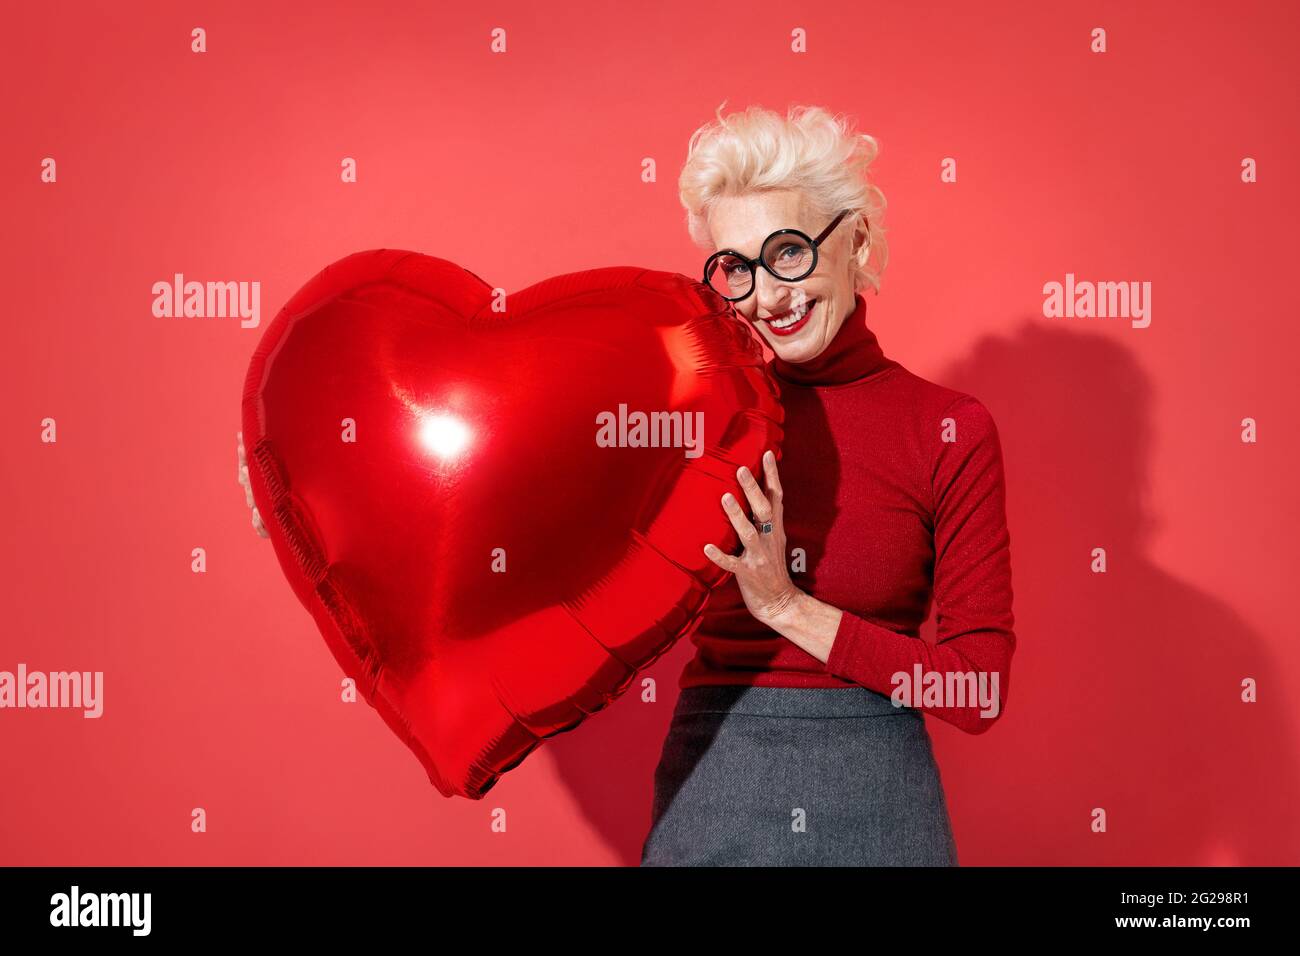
{"x":797,"y":348}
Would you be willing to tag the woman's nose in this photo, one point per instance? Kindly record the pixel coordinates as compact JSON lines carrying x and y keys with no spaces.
{"x":770,"y":293}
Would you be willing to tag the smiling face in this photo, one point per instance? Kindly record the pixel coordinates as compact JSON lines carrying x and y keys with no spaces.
{"x":797,"y":320}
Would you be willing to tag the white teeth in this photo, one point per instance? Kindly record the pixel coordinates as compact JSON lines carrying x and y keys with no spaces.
{"x":792,"y":318}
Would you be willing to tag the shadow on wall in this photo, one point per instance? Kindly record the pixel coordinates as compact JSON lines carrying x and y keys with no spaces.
{"x":1125,"y":691}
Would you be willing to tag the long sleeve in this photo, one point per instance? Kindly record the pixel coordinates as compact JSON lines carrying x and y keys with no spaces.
{"x":972,"y":586}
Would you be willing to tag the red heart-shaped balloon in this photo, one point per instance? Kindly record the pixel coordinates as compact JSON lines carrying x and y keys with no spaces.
{"x":460,"y":491}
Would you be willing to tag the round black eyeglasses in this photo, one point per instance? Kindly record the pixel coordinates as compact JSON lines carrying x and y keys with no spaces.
{"x":788,"y":254}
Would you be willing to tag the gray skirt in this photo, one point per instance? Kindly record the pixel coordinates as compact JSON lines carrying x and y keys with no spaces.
{"x":797,"y":776}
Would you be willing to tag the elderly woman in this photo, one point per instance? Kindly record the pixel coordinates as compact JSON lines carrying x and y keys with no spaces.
{"x":798,"y":737}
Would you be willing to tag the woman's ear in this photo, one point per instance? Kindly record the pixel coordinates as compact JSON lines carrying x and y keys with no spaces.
{"x":862,"y":237}
{"x":861,"y":246}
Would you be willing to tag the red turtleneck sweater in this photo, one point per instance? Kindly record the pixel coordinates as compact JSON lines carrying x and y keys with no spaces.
{"x":886,"y":514}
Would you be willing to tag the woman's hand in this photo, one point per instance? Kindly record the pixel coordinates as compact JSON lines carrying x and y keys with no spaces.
{"x":248,"y":489}
{"x":761,"y":570}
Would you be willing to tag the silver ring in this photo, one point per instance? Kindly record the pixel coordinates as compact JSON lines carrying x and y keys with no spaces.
{"x":765,"y":528}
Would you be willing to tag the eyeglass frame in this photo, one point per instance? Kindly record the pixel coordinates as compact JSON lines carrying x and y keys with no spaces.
{"x":814,"y":244}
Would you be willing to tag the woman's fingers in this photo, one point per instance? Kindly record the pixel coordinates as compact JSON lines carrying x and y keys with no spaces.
{"x":773,"y":479}
{"x":744,"y":527}
{"x":764,"y":510}
{"x":725,"y":561}
{"x":258,"y":524}
{"x":243,"y":472}
{"x":757,"y":500}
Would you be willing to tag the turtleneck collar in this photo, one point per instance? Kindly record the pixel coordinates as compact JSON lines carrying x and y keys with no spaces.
{"x":853,"y":354}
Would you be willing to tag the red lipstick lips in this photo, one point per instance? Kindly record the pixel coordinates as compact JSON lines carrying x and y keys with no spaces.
{"x":792,"y":329}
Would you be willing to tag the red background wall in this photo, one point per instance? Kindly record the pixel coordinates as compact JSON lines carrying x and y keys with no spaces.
{"x":1124,"y":166}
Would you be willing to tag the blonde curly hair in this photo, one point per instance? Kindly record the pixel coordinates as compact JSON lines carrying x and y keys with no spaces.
{"x":808,"y":149}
